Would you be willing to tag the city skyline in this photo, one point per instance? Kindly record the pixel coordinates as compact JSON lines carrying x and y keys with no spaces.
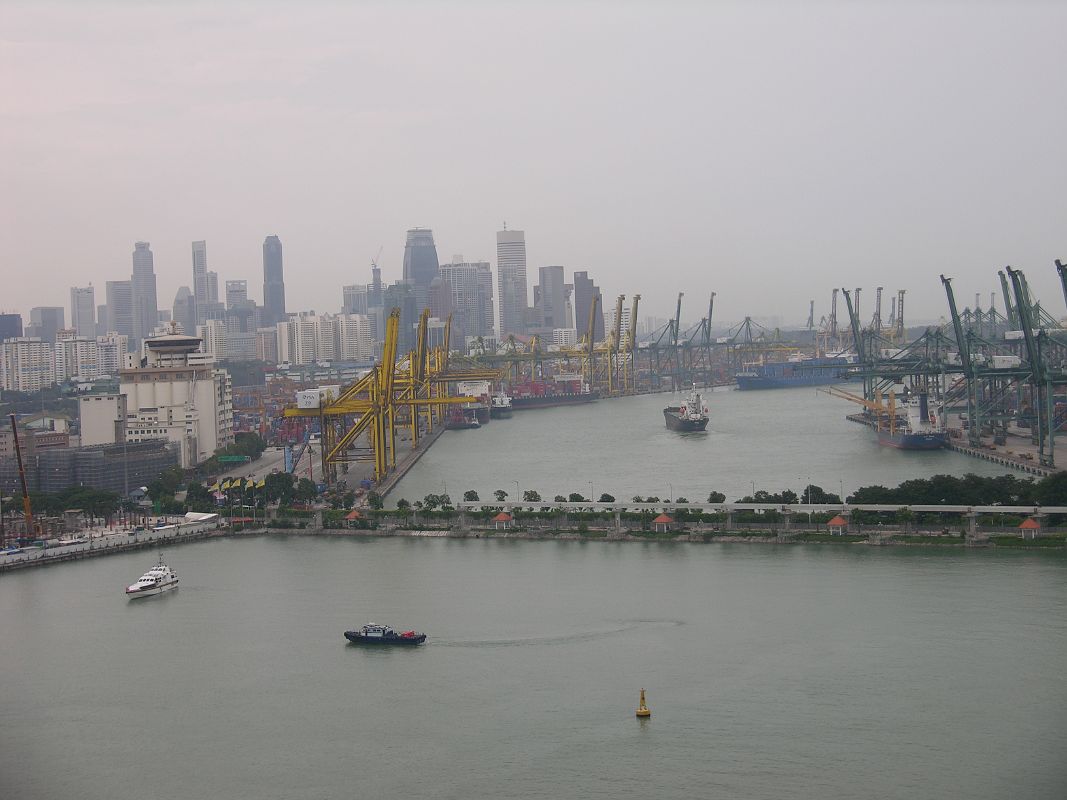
{"x":817,"y":159}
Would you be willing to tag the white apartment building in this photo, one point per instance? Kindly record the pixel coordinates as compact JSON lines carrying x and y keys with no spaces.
{"x":355,"y":337}
{"x":76,"y":357}
{"x":27,"y":365}
{"x":179,"y":395}
{"x":311,"y":338}
{"x":564,"y":337}
{"x":111,"y":352}
{"x":213,"y":335}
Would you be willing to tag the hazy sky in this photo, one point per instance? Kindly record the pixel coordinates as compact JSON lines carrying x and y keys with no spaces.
{"x":766,"y":151}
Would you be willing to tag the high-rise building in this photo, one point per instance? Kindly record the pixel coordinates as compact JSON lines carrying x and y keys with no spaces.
{"x":273,"y":281}
{"x":511,"y":281}
{"x":200,"y":298}
{"x":212,"y":336}
{"x":355,"y":338}
{"x":356,"y":299}
{"x":420,"y":264}
{"x":111,"y":351}
{"x":83,"y":310}
{"x":402,"y":295}
{"x":76,"y":357}
{"x":45,"y":322}
{"x":236,"y":293}
{"x":184,"y":311}
{"x":550,"y":298}
{"x":120,"y":307}
{"x":472,"y":297}
{"x":27,"y":365}
{"x":584,"y":292}
{"x":143,"y":282}
{"x":267,"y":345}
{"x":10,"y":326}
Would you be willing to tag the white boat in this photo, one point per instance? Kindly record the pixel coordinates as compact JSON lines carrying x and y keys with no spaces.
{"x":157,"y":580}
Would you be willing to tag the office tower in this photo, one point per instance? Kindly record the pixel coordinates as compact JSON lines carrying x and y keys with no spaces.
{"x":236,"y":293}
{"x":356,"y":299}
{"x":550,"y":298}
{"x":584,"y":292}
{"x":420,"y":264}
{"x":143,"y":282}
{"x":402,"y":295}
{"x":83,"y":310}
{"x":439,"y":299}
{"x":119,"y":296}
{"x":273,"y":281}
{"x":101,"y":318}
{"x":10,"y":326}
{"x":374,"y":292}
{"x":200,"y":297}
{"x":472,"y":297}
{"x":511,"y":281}
{"x":184,"y":311}
{"x":45,"y":321}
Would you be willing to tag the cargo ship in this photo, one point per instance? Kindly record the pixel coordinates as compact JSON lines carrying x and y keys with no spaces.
{"x":690,"y":416}
{"x":562,"y":390}
{"x":920,"y":429}
{"x":500,"y":406}
{"x":797,"y":371}
{"x":458,"y":419}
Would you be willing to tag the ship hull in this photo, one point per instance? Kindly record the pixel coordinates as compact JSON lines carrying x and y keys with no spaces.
{"x":500,"y":413}
{"x":912,"y":441}
{"x":756,"y":382}
{"x":551,"y":401}
{"x":155,"y":590}
{"x":676,"y":422}
{"x":355,"y":637}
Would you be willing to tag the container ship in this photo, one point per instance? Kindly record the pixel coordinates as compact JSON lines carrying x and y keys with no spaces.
{"x":797,"y":371}
{"x":690,"y":416}
{"x":562,"y":390}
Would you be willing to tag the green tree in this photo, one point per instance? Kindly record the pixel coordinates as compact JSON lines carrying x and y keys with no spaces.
{"x":560,"y":498}
{"x":470,"y":496}
{"x":402,"y":504}
{"x":531,"y":496}
{"x":682,"y":500}
{"x":716,"y":497}
{"x":575,"y":497}
{"x":606,"y":498}
{"x":374,"y":500}
{"x":500,"y":495}
{"x":431,"y":501}
{"x":305,"y":491}
{"x":637,"y":499}
{"x":279,"y":486}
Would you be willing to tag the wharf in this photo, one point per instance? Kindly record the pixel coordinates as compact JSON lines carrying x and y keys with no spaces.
{"x":1021,"y":456}
{"x":406,"y":461}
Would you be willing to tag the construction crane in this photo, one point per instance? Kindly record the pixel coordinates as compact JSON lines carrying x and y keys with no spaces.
{"x":900,"y":315}
{"x":678,"y":319}
{"x":27,"y":507}
{"x":811,"y":315}
{"x":833,"y":317}
{"x":1061,"y":268}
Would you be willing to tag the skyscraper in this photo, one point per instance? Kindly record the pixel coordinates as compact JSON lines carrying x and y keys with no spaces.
{"x":83,"y":310}
{"x":10,"y":326}
{"x":511,"y":281}
{"x":584,"y":291}
{"x":273,"y":282}
{"x":120,"y":307}
{"x":143,"y":283}
{"x":550,"y":298}
{"x":402,"y":295}
{"x":45,"y":321}
{"x":199,"y":281}
{"x":355,"y":299}
{"x":472,"y":297}
{"x":184,"y":311}
{"x":420,"y":264}
{"x":236,"y":293}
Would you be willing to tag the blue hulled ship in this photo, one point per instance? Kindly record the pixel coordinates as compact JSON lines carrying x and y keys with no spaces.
{"x":798,"y":371}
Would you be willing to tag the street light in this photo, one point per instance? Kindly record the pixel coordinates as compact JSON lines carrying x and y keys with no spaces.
{"x":518,"y":492}
{"x":671,"y":487}
{"x":591,"y":497}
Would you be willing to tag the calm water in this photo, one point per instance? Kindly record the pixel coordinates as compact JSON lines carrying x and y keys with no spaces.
{"x":803,"y":672}
{"x":773,"y":440}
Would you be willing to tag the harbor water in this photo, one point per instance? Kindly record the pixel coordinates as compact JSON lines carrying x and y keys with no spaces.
{"x":807,"y":671}
{"x":771,"y":440}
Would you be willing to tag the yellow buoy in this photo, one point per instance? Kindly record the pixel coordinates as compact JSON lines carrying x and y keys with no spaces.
{"x":642,"y":709}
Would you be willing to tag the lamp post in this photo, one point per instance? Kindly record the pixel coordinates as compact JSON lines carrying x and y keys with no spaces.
{"x":592,"y":498}
{"x":518,"y":492}
{"x":671,"y":487}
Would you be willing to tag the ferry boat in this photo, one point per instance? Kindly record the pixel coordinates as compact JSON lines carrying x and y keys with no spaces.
{"x":382,"y":634}
{"x":797,"y":371}
{"x":157,"y":580}
{"x":691,"y":415}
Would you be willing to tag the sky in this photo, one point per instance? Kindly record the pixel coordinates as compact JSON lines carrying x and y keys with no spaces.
{"x":768,"y":152}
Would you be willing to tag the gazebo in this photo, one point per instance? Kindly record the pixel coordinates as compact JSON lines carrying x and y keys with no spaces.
{"x":1029,"y":528}
{"x":838,"y":524}
{"x":352,"y":518}
{"x":663,"y":523}
{"x":502,"y":521}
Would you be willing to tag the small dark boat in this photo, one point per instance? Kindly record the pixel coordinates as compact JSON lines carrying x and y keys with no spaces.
{"x":383,"y":634}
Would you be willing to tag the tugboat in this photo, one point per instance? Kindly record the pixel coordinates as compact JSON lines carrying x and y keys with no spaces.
{"x":691,"y":415}
{"x":157,"y":580}
{"x":383,"y":634}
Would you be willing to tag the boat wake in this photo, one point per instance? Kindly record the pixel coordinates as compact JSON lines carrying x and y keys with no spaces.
{"x":584,"y":636}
